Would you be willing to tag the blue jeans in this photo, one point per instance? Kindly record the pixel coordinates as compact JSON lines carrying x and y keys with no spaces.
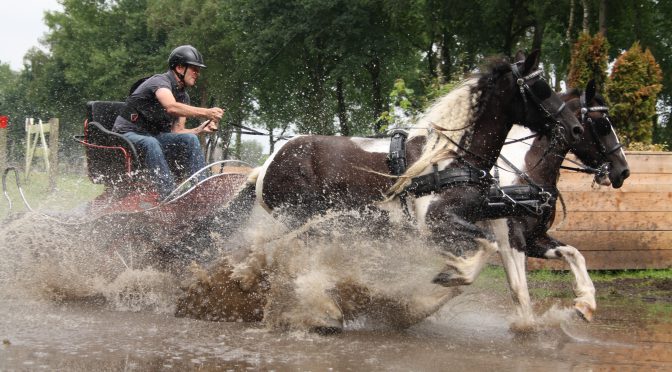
{"x":180,"y":152}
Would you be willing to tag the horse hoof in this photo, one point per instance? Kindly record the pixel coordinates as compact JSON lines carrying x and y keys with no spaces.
{"x":447,"y":279}
{"x":327,"y":331}
{"x":584,"y":311}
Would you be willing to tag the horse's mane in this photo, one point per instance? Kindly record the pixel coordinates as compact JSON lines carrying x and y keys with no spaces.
{"x":450,"y":120}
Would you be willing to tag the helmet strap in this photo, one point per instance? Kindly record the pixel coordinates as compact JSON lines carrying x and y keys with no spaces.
{"x":180,"y":76}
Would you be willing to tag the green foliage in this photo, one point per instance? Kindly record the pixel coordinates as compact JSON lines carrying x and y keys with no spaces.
{"x":632,"y":91}
{"x":589,"y":61}
{"x":401,"y":106}
{"x":641,"y":146}
{"x":252,"y":152}
{"x":308,"y":66}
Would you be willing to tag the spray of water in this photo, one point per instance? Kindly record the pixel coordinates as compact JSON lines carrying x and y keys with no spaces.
{"x":334,"y":269}
{"x":48,"y":260}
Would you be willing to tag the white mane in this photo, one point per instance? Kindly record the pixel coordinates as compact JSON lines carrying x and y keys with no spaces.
{"x":444,"y":124}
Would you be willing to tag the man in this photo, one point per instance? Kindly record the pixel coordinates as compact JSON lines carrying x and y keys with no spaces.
{"x":155,"y":115}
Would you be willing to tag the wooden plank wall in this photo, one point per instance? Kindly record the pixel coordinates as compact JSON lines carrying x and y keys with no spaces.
{"x":626,"y":228}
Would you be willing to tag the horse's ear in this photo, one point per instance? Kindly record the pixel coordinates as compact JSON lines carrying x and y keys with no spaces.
{"x":531,"y":62}
{"x":590,"y":91}
{"x":520,"y":56}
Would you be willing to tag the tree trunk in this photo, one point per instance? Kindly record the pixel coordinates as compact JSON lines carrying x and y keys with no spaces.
{"x":570,"y":25}
{"x":538,"y":37}
{"x":238,"y":143}
{"x":376,"y":93}
{"x":603,"y":17}
{"x":342,"y":109}
{"x":446,"y":63}
{"x":431,"y":58}
{"x":508,"y":36}
{"x":586,"y":17}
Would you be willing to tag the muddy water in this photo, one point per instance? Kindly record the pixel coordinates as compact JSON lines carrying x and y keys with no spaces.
{"x":66,"y":306}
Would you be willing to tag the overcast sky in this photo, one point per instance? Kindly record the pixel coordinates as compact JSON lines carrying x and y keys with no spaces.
{"x":22,"y":26}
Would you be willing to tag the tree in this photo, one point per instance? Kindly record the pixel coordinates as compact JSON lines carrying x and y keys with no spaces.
{"x":590,"y":55}
{"x":252,"y":152}
{"x":632,"y":91}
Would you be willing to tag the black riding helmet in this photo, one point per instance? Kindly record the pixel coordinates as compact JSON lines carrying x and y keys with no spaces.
{"x":185,"y":55}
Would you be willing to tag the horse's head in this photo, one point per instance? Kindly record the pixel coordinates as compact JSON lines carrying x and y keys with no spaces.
{"x":536,"y":106}
{"x":599,"y":146}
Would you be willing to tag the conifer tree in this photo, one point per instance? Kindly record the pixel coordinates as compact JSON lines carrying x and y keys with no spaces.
{"x":632,"y":90}
{"x":590,"y":55}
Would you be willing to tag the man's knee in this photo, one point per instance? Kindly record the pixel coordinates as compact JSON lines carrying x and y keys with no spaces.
{"x":190,"y":139}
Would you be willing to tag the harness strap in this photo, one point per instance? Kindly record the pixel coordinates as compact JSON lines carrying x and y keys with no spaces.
{"x":396,"y":159}
{"x":438,"y":180}
{"x":521,"y":200}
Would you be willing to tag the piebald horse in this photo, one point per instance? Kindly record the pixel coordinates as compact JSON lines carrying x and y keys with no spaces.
{"x":536,"y":162}
{"x":450,"y":151}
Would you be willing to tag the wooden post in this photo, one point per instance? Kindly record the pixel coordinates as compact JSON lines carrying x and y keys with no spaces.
{"x":34,"y":134}
{"x":3,"y":142}
{"x":53,"y":153}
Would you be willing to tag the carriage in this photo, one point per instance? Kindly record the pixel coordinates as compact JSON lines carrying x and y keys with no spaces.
{"x":128,"y":197}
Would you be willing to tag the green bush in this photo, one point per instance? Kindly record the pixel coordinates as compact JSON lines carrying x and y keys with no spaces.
{"x":632,"y":91}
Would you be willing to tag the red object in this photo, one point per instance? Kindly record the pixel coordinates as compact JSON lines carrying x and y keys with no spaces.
{"x":3,"y":121}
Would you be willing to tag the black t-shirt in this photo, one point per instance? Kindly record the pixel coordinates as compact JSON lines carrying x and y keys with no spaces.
{"x":142,"y":104}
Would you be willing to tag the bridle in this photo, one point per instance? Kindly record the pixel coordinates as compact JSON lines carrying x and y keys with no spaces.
{"x":525,"y":91}
{"x":588,"y":121}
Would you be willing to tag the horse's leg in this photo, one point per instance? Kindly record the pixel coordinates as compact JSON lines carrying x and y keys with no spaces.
{"x":468,"y":246}
{"x":584,"y":290}
{"x":512,"y":252}
{"x":304,"y":303}
{"x":513,"y":260}
{"x":464,"y":270}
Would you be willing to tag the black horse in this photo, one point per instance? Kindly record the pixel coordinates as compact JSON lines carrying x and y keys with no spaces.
{"x":536,"y":163}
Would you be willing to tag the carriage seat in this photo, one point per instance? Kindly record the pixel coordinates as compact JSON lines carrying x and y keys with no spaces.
{"x":111,"y":158}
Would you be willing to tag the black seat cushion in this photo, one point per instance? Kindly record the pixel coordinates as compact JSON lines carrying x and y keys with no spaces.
{"x":108,"y":153}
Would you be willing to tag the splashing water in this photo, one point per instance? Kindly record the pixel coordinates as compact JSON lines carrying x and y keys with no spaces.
{"x":336,"y":268}
{"x":48,"y":260}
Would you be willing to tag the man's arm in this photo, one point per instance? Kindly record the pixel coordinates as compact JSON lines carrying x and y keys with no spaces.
{"x":183,"y":111}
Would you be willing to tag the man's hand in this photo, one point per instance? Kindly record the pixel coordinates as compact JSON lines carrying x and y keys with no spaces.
{"x":214,"y":114}
{"x":208,"y":126}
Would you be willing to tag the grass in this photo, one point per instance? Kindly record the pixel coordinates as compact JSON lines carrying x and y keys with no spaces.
{"x":644,"y":292}
{"x":600,"y":275}
{"x":72,"y":190}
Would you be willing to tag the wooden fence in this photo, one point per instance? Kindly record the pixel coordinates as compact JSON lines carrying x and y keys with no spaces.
{"x":626,"y":228}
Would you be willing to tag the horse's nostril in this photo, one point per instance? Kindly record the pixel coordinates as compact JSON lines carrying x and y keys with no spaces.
{"x":625,"y":174}
{"x":577,"y":130}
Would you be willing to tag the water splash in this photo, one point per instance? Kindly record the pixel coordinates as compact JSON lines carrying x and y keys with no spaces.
{"x":334,"y":269}
{"x":48,"y":260}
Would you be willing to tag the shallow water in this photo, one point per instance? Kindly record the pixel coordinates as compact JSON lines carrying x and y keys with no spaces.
{"x":470,"y":333}
{"x":67,"y":307}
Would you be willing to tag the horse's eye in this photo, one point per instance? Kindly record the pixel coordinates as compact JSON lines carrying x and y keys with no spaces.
{"x":602,"y":126}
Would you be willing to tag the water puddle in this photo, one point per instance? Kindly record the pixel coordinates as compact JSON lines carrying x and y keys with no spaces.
{"x":70,"y":305}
